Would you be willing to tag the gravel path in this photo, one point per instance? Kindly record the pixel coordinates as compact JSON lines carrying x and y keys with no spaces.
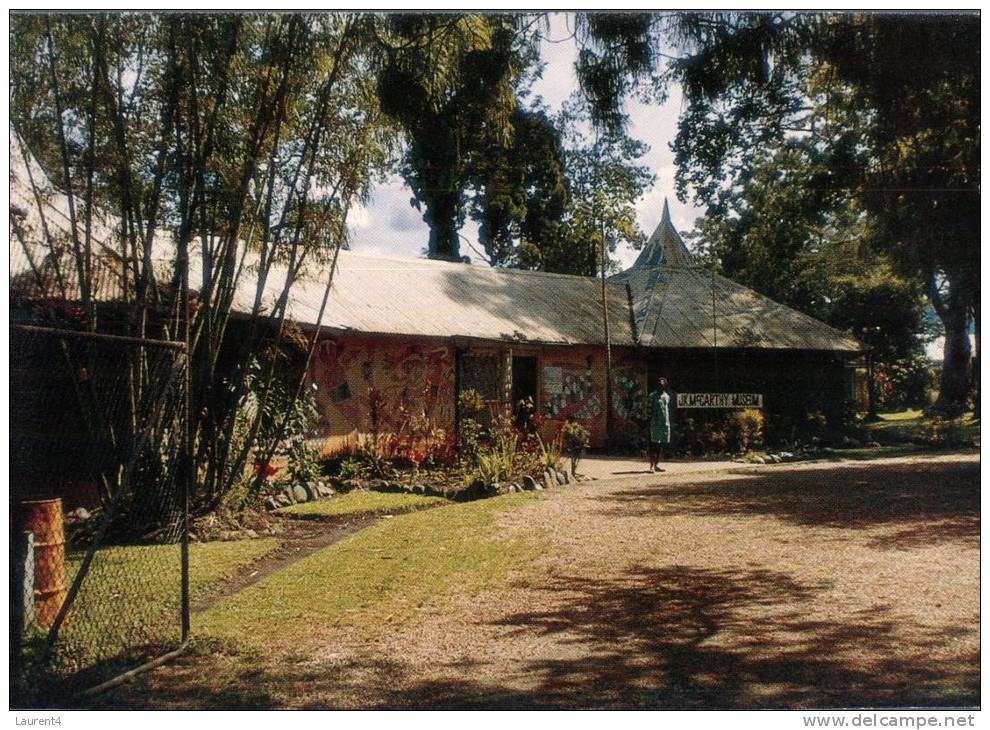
{"x":808,"y":585}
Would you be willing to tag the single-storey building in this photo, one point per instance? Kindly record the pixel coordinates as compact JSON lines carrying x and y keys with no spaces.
{"x":414,"y":334}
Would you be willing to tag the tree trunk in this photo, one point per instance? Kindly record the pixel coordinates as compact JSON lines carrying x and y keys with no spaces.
{"x":441,"y":216}
{"x":954,"y":387}
{"x":976,"y":360}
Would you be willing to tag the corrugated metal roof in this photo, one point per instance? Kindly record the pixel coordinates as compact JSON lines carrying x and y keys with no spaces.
{"x":678,"y":304}
{"x":671,"y":299}
{"x":673,"y":307}
{"x":442,"y":299}
{"x":665,"y":246}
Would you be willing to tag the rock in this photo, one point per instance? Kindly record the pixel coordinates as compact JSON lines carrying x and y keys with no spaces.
{"x":786,"y":456}
{"x":873,"y":445}
{"x":250,"y":534}
{"x":227,"y":535}
{"x":851,"y":443}
{"x":299,"y":493}
{"x":419,"y":489}
{"x":559,"y":475}
{"x":270,"y":503}
{"x":323,"y":491}
{"x":757,"y":460}
{"x":350,"y":484}
{"x":773,"y":458}
{"x":81,"y":514}
{"x":567,"y":476}
{"x":283,"y":499}
{"x":528,"y":483}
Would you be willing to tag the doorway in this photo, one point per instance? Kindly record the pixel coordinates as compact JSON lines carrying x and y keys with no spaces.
{"x":524,"y":386}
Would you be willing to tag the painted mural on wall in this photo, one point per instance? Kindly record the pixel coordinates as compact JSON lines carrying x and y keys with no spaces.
{"x":628,"y":395}
{"x":413,"y":380}
{"x":569,"y":392}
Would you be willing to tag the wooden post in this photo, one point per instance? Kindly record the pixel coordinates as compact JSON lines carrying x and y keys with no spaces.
{"x":871,"y":388}
{"x":21,"y":586}
{"x":21,"y":599}
{"x":608,"y":352}
{"x":507,"y":384}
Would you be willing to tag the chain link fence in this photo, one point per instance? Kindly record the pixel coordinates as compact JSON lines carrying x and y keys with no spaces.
{"x":99,"y":579}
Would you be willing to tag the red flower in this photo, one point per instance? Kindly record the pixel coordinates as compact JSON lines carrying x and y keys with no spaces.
{"x":268,"y":469}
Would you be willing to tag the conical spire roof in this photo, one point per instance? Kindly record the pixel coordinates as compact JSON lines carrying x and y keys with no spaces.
{"x":665,"y":247}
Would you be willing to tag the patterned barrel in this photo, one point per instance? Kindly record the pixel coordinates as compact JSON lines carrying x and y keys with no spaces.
{"x":43,"y":517}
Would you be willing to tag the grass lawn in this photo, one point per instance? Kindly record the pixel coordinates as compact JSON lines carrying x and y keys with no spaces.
{"x":130,"y":597}
{"x":360,"y":502}
{"x":377,"y":576}
{"x":897,"y":427}
{"x":803,"y":587}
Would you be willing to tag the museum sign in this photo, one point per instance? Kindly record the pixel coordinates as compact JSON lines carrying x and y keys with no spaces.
{"x":719,"y":400}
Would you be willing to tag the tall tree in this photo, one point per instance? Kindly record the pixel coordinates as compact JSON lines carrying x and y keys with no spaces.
{"x":244,"y":137}
{"x":546,"y":200}
{"x":825,"y":261}
{"x":521,"y":192}
{"x":892,"y":100}
{"x":605,"y":181}
{"x":450,"y":81}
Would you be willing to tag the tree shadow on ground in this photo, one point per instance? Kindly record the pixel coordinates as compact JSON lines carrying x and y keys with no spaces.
{"x":933,"y":501}
{"x":676,"y":637}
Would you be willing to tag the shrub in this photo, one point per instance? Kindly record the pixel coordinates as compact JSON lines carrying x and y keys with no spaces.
{"x":350,"y":468}
{"x":815,"y":425}
{"x":549,"y":452}
{"x":946,"y":433}
{"x":495,"y":463}
{"x":471,"y":406}
{"x":715,"y":436}
{"x":904,"y":383}
{"x":780,"y":430}
{"x":747,"y":428}
{"x":575,"y":439}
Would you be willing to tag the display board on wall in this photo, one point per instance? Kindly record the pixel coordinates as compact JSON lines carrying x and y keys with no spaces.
{"x":720,"y":400}
{"x":569,"y":392}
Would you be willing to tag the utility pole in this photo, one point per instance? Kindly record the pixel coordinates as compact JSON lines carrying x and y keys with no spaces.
{"x":608,"y":350}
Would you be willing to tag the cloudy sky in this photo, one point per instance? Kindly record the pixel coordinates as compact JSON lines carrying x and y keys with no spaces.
{"x":389,"y":225}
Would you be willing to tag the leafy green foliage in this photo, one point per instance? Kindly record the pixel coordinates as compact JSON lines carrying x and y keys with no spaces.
{"x":496,"y":462}
{"x":450,"y":82}
{"x":522,"y":193}
{"x":897,"y":132}
{"x":605,"y":182}
{"x":904,"y":382}
{"x":575,"y":439}
{"x":247,"y":137}
{"x":882,"y":109}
